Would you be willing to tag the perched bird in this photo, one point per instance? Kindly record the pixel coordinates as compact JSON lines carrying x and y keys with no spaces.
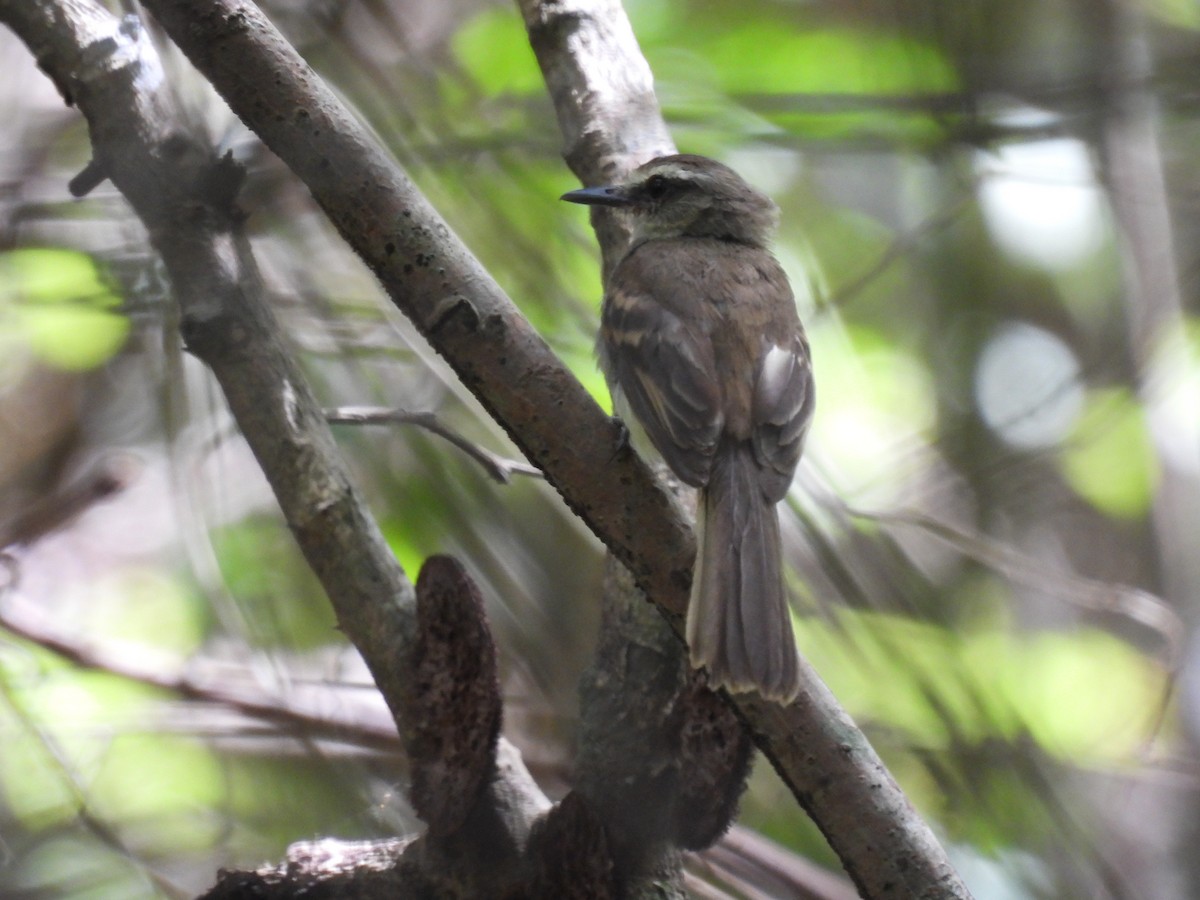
{"x":700,"y":340}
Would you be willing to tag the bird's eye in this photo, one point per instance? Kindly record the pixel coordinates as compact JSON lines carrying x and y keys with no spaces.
{"x":655,"y":187}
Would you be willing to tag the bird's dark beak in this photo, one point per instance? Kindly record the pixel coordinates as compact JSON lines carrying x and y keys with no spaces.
{"x":598,"y":196}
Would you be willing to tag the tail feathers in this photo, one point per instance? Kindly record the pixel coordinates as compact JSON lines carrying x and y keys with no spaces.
{"x":738,"y":625}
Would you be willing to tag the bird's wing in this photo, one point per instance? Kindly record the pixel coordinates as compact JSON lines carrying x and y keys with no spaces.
{"x":667,"y":373}
{"x":782,"y":410}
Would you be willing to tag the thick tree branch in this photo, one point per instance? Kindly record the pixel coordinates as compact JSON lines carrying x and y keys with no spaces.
{"x":185,"y":198}
{"x":608,"y":118}
{"x":429,"y":274}
{"x":176,"y":188}
{"x":432,"y":277}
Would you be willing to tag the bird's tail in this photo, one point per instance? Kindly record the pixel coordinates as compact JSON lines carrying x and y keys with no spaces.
{"x":738,"y":625}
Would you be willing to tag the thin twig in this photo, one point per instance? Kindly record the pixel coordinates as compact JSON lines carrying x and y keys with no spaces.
{"x":899,"y":248}
{"x":499,"y":468}
{"x":109,"y":476}
{"x":278,"y":711}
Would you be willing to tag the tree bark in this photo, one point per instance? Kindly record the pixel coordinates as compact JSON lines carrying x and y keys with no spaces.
{"x":821,"y":755}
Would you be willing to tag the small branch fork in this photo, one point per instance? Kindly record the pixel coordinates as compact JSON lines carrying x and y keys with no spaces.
{"x":497,"y":467}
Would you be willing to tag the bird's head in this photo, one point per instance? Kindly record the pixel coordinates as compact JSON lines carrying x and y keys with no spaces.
{"x":687,"y":196}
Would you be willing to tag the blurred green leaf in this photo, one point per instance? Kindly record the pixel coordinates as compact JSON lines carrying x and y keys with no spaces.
{"x":276,"y":798}
{"x":873,"y":396}
{"x":811,"y":80}
{"x":924,"y":679}
{"x":279,"y":597}
{"x":408,"y":552}
{"x":494,"y":48}
{"x":36,"y":768}
{"x":52,"y":275}
{"x":32,"y":786}
{"x":148,"y":607}
{"x":156,"y":779}
{"x":1179,"y":13}
{"x":767,"y":56}
{"x":74,"y":339}
{"x":1113,"y":693}
{"x":1110,"y":460}
{"x":58,"y":304}
{"x":79,"y":868}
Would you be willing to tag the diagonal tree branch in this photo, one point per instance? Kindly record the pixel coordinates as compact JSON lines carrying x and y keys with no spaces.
{"x":823,"y":758}
{"x":185,"y":198}
{"x":822,"y":755}
{"x":432,"y":277}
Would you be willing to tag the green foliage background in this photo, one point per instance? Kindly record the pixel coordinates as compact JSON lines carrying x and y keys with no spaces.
{"x":987,"y":571}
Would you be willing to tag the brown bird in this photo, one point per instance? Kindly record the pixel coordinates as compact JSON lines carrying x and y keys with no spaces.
{"x":700,"y":340}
